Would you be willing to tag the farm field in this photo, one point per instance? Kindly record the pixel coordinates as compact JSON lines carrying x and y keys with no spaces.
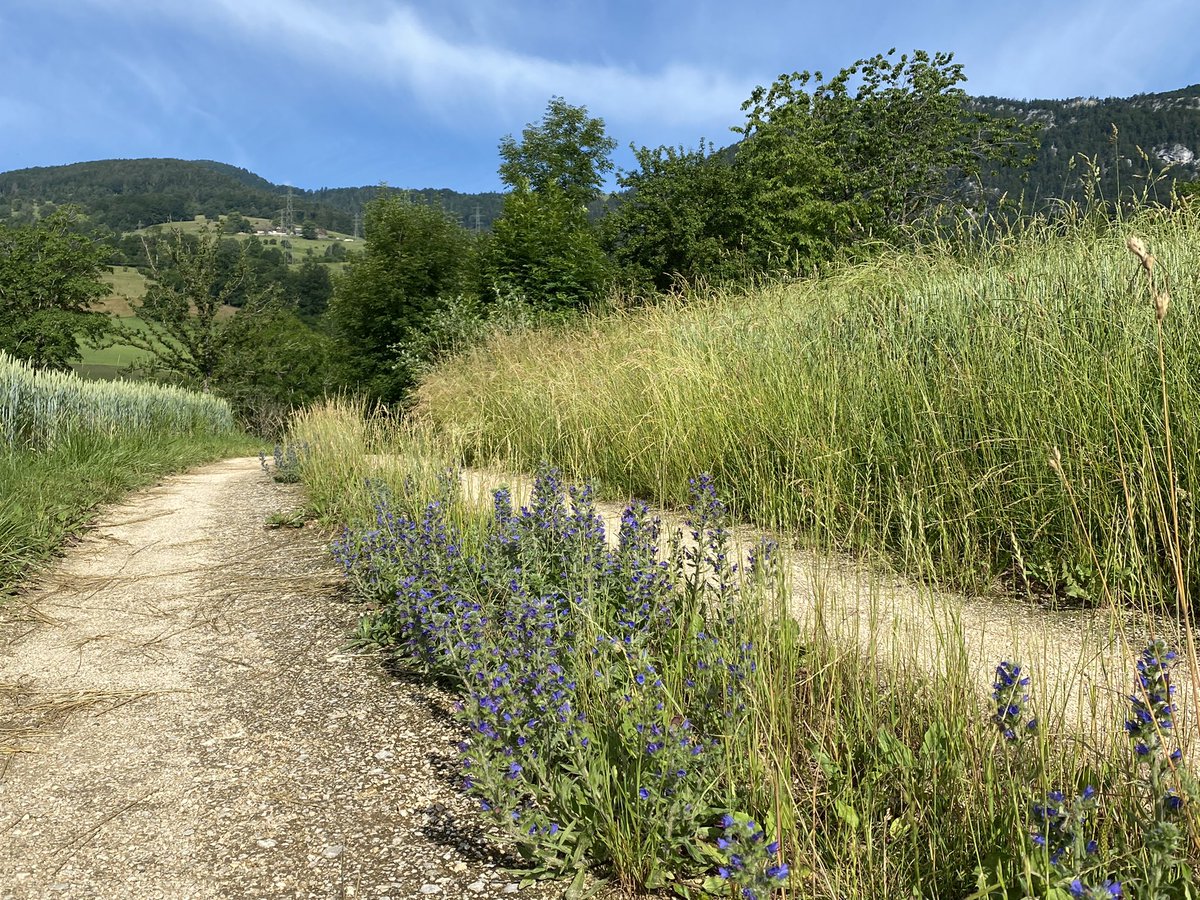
{"x":71,"y":444}
{"x":301,"y":247}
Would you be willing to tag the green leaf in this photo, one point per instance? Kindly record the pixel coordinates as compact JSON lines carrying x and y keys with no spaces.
{"x":894,"y":751}
{"x":846,"y":813}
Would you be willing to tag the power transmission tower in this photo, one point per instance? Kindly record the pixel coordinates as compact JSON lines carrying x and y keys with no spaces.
{"x":287,"y":220}
{"x":357,"y":221}
{"x":478,"y":220}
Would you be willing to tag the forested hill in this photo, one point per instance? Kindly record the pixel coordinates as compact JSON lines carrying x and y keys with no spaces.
{"x":1166,"y":128}
{"x":125,"y":194}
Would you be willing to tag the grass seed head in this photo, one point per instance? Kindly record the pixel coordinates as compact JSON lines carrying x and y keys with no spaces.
{"x":1161,"y":302}
{"x":1138,"y":249}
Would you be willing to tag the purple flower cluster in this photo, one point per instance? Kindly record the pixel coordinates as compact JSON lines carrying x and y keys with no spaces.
{"x":1011,"y":697}
{"x":1058,"y":824}
{"x":585,"y":670}
{"x":1153,"y":713}
{"x":1058,"y":827}
{"x":751,"y":862}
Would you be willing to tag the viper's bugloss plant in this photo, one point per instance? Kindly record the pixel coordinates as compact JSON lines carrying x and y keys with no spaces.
{"x":599,"y":686}
{"x":1062,"y":855}
{"x":1011,"y":696}
{"x":1164,"y":780}
{"x":1059,"y":826}
{"x":750,"y":862}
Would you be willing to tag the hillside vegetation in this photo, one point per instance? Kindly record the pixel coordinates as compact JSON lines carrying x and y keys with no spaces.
{"x":917,"y":405}
{"x":1129,"y":141}
{"x":127,"y":194}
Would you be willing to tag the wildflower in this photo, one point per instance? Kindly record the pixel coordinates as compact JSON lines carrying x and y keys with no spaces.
{"x":1010,"y":698}
{"x":1152,"y":712}
{"x":750,"y":861}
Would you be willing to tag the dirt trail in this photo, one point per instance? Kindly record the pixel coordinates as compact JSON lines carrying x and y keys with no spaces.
{"x":180,"y":717}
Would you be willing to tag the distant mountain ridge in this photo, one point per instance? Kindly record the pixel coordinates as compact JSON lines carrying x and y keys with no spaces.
{"x":1165,"y":126}
{"x":124,"y":194}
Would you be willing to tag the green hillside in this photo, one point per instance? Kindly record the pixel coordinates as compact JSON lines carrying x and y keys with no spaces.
{"x":128,"y":194}
{"x":1115,"y":133}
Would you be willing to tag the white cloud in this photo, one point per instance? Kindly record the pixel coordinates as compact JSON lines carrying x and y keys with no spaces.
{"x":393,"y":45}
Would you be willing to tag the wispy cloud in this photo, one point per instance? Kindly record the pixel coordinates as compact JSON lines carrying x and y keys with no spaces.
{"x":1098,"y":47}
{"x":393,"y":45}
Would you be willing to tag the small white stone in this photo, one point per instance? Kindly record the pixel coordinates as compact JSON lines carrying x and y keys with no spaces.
{"x":384,"y":754}
{"x":459,"y":866}
{"x":431,"y":889}
{"x":476,"y":886}
{"x":333,"y":851}
{"x":266,"y":843}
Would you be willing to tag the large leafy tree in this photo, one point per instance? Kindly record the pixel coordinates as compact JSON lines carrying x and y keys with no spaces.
{"x":186,"y":312}
{"x":867,"y":153}
{"x":544,"y":249}
{"x":415,"y":256}
{"x":682,"y":217}
{"x":273,"y":363}
{"x":259,"y":355}
{"x":50,"y":275}
{"x":568,"y":151}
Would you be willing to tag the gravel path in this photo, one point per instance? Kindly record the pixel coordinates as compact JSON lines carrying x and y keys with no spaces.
{"x":181,"y":716}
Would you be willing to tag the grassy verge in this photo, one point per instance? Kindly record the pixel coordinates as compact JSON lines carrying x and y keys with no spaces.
{"x":46,"y":496}
{"x":910,"y":405}
{"x":637,"y":710}
{"x":71,"y":444}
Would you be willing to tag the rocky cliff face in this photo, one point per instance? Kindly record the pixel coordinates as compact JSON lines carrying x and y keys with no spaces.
{"x":1141,"y":143}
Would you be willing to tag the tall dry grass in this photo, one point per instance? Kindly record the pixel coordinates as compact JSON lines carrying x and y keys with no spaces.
{"x":907,"y":405}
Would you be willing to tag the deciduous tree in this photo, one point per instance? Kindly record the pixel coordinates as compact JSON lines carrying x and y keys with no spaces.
{"x":867,"y":153}
{"x":682,"y":216}
{"x":544,"y":251}
{"x":50,"y":275}
{"x":568,"y":151}
{"x":186,"y":310}
{"x":414,"y":256}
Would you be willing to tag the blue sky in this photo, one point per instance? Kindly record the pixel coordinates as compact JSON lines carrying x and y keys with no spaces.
{"x":351,"y":92}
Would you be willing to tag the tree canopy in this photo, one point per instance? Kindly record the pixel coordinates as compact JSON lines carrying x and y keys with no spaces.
{"x":50,"y":275}
{"x":865,"y":154}
{"x":683,"y":217}
{"x":544,"y":251}
{"x":415,"y":255}
{"x":568,"y":150}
